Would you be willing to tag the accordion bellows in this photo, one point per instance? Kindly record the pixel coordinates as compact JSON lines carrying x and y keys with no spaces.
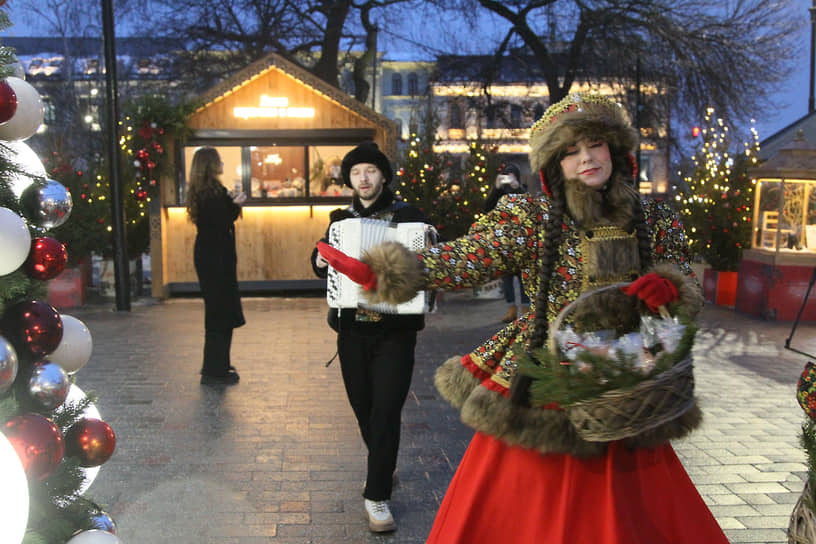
{"x":390,"y":250}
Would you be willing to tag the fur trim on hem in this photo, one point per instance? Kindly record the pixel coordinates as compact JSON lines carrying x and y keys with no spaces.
{"x":550,"y":431}
{"x":454,"y":382}
{"x":690,"y":296}
{"x":399,"y":273}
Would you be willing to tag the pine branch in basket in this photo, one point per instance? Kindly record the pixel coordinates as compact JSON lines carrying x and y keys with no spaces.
{"x":808,"y":441}
{"x":556,"y":379}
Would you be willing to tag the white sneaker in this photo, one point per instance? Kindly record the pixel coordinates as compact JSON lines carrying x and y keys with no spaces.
{"x":380,"y":519}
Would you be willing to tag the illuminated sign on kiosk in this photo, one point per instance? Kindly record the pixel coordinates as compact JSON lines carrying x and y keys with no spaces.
{"x":273,"y":106}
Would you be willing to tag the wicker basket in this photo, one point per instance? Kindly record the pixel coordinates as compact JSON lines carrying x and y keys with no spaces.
{"x":802,"y":526}
{"x":624,"y":413}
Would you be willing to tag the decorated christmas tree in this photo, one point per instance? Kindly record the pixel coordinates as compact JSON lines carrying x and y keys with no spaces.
{"x":422,"y":180}
{"x":452,"y":196}
{"x":482,"y":165}
{"x":149,"y":124}
{"x":52,"y":438}
{"x":717,"y":207}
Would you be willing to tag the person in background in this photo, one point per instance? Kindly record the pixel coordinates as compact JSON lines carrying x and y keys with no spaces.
{"x":508,"y":182}
{"x":376,"y":350}
{"x":528,"y":475}
{"x":214,"y":210}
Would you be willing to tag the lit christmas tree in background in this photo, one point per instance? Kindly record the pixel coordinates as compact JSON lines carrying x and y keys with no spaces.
{"x":149,"y":124}
{"x":422,"y":180}
{"x":717,"y":209}
{"x":52,"y":438}
{"x":452,"y":196}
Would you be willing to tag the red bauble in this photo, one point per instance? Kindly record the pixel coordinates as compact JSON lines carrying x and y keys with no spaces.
{"x":8,"y":101}
{"x":92,"y":441}
{"x":46,"y":259}
{"x":38,"y":443}
{"x":140,"y":194}
{"x":34,"y":328}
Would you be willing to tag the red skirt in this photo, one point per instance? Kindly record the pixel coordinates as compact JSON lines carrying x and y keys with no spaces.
{"x":504,"y":493}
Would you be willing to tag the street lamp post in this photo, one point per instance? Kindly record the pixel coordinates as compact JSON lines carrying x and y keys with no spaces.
{"x":120,"y":259}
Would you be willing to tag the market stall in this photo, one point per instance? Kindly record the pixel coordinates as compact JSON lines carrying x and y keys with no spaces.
{"x":775,"y":273}
{"x":281,"y":133}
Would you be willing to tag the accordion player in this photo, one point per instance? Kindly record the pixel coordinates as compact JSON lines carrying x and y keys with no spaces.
{"x":353,"y":236}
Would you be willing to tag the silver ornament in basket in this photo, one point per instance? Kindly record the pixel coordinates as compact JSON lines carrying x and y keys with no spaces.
{"x":627,"y":412}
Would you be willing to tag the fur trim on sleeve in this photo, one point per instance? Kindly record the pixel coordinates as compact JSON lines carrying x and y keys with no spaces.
{"x":399,"y":273}
{"x":689,"y":292}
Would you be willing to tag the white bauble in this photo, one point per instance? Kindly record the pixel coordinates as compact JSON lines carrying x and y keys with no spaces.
{"x":29,"y":115}
{"x":74,"y":350}
{"x":15,"y":241}
{"x":13,"y":494}
{"x":95,"y":536}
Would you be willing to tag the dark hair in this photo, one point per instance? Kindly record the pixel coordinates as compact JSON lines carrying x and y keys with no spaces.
{"x":203,"y":178}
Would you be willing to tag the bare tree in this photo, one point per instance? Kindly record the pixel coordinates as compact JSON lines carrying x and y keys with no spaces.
{"x":67,"y":22}
{"x":318,"y":35}
{"x":726,"y":55}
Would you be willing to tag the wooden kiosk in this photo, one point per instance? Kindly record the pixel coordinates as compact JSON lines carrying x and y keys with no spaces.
{"x":775,"y":274}
{"x":281,"y":133}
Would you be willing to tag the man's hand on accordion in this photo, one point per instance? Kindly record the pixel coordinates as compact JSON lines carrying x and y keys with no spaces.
{"x":357,"y":271}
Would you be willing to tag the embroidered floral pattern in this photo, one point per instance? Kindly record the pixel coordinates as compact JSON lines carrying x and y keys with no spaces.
{"x":806,"y":390}
{"x":508,"y":240}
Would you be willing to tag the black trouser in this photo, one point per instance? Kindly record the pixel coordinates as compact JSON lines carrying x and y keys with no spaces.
{"x":216,"y":352}
{"x":377,"y":374}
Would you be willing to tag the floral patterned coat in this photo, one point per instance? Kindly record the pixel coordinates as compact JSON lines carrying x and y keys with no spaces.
{"x":509,"y":239}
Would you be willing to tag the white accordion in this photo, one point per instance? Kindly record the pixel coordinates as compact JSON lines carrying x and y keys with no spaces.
{"x":353,"y":237}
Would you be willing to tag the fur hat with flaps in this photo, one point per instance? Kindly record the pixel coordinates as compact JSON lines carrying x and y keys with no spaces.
{"x":576,"y":116}
{"x":366,"y":152}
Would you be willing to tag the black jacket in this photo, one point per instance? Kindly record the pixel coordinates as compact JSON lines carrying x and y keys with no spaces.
{"x":215,"y":262}
{"x":496,"y":193}
{"x":387,"y":208}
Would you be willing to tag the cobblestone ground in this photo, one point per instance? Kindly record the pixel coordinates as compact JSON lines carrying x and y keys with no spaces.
{"x":278,"y":458}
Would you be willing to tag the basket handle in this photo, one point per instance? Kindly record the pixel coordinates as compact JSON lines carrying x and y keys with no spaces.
{"x":556,"y":324}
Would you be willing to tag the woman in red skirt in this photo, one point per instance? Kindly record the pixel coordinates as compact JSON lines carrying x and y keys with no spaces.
{"x":528,"y":477}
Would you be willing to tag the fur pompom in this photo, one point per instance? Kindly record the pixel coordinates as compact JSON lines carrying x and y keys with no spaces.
{"x":690,"y":296}
{"x":399,"y":273}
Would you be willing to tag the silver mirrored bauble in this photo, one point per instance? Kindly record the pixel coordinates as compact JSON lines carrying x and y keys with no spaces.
{"x":47,"y":205}
{"x":48,"y":384}
{"x":8,"y":365}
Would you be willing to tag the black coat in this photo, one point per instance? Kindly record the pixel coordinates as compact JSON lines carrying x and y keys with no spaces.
{"x":215,"y":262}
{"x":497,"y":192}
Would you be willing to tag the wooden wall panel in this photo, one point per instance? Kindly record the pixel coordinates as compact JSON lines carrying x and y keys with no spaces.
{"x":273,"y":243}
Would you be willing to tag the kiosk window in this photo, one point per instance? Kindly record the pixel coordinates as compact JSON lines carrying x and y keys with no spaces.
{"x":277,"y":172}
{"x":324,"y":171}
{"x":233,"y":169}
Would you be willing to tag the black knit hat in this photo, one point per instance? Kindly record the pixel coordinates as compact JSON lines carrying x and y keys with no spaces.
{"x":367,"y":152}
{"x":511,"y":168}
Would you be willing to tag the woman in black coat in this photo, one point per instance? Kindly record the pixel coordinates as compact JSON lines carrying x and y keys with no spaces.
{"x":213,"y":210}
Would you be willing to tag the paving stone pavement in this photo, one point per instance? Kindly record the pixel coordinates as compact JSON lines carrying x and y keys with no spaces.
{"x":278,"y":458}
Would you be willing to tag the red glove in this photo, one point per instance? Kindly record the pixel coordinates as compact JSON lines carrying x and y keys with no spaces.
{"x":357,"y":271}
{"x":654,"y":290}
